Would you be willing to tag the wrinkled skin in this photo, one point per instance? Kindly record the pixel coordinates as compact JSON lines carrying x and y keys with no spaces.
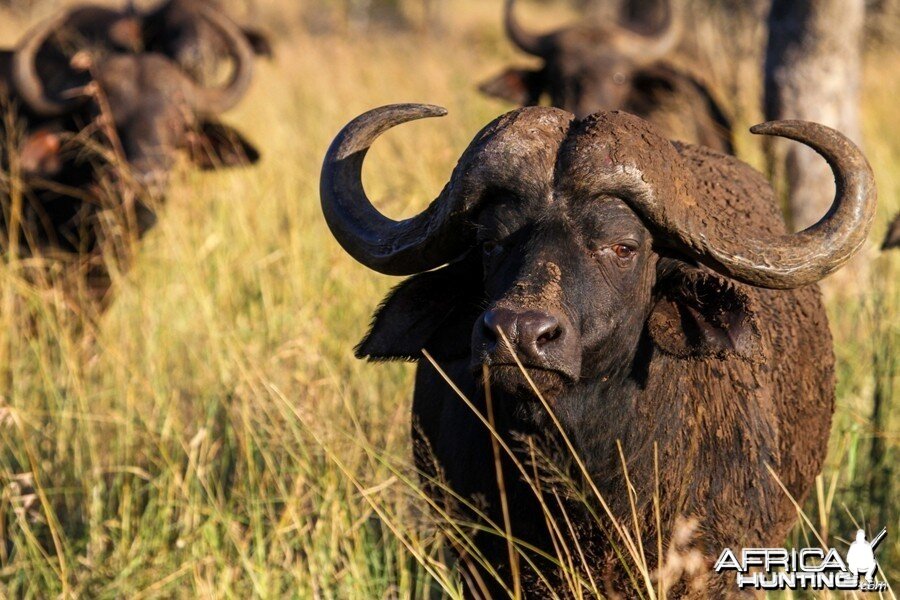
{"x":629,"y":342}
{"x":584,"y":70}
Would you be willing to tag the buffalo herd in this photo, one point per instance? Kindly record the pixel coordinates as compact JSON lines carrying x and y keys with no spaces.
{"x":600,"y":278}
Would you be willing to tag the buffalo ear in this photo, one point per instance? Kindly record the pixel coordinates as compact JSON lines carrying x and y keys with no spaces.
{"x":259,"y":41}
{"x":40,"y":153}
{"x":700,"y":314}
{"x":518,"y":86}
{"x":435,"y":311}
{"x":215,"y":145}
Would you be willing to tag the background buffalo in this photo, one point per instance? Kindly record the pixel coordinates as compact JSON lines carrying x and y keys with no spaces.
{"x":603,"y":65}
{"x":101,"y":128}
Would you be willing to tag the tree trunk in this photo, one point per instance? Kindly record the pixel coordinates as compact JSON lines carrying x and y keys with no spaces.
{"x":812,"y":72}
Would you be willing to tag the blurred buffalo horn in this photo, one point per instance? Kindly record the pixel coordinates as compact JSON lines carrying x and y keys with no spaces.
{"x":218,"y":100}
{"x":26,"y":80}
{"x":651,"y":47}
{"x":527,"y":42}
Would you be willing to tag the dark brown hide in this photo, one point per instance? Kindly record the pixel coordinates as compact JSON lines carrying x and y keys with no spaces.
{"x":6,"y":57}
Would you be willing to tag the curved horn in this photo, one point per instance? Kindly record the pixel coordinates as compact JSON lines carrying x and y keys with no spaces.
{"x":650,"y":47}
{"x":219,"y":100}
{"x":26,"y":80}
{"x":391,"y":247}
{"x":515,"y":152}
{"x":808,"y":256}
{"x":527,"y":42}
{"x":666,"y":196}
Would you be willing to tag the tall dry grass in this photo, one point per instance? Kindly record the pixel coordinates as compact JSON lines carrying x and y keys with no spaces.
{"x":213,"y":436}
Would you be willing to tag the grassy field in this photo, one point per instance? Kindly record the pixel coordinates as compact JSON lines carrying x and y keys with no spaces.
{"x":213,"y":436}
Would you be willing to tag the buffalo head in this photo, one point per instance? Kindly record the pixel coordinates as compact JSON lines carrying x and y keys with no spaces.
{"x":585,"y":67}
{"x":153,"y":106}
{"x":570,"y":238}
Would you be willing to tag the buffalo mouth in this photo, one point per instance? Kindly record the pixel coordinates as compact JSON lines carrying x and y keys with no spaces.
{"x":509,"y":378}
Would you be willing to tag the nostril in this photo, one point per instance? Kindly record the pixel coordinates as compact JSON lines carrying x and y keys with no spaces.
{"x":499,"y":320}
{"x":530,"y":332}
{"x":541,"y":328}
{"x":549,"y":335}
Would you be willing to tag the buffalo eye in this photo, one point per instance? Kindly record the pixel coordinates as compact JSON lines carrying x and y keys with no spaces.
{"x":623,"y":251}
{"x":491,"y":248}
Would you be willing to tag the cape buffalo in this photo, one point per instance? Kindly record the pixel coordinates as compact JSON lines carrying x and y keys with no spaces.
{"x":655,"y":298}
{"x":892,"y":237}
{"x":605,"y":66}
{"x":99,"y":147}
